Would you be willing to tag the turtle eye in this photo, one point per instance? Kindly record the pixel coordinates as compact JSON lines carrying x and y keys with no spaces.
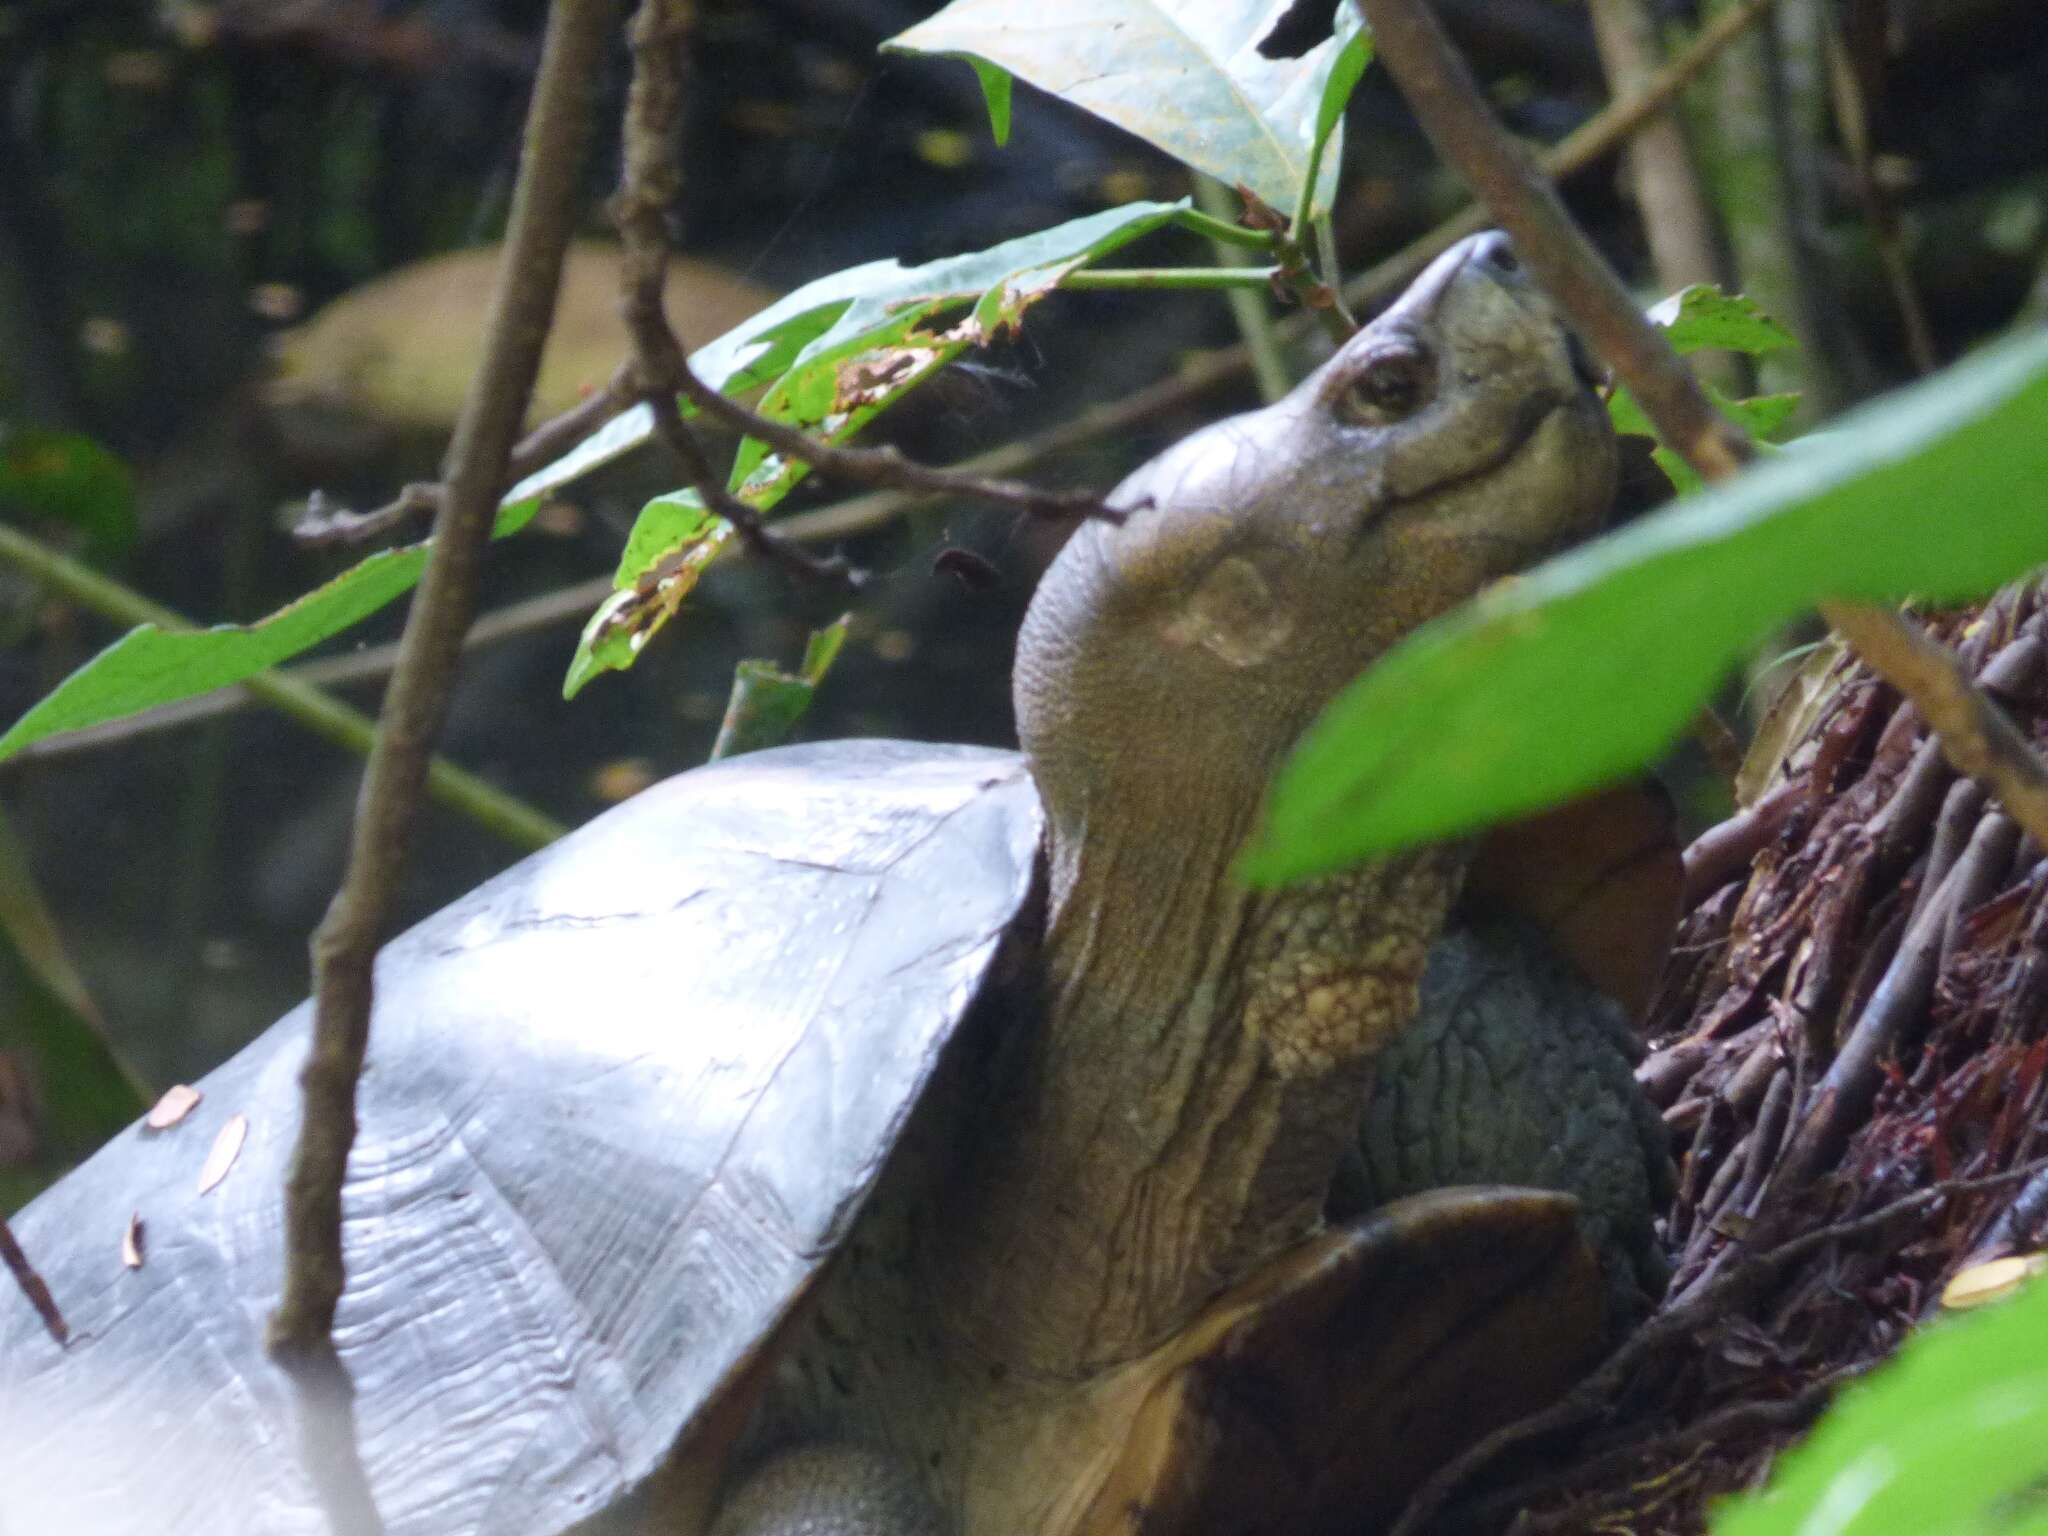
{"x":1392,"y":385}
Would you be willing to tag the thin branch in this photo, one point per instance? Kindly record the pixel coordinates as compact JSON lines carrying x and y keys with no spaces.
{"x":324,"y":523}
{"x":33,"y":1286}
{"x":659,"y":35}
{"x":1977,"y":737}
{"x":504,"y":816}
{"x":885,"y":466}
{"x":1252,"y":310}
{"x":345,"y":947}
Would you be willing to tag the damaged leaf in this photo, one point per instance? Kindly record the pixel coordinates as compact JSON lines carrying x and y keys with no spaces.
{"x":767,"y":702}
{"x":672,"y":544}
{"x":835,"y":354}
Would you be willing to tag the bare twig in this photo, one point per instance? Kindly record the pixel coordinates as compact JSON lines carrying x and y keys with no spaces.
{"x":32,"y":1285}
{"x":1976,"y":735}
{"x":323,"y":522}
{"x":542,"y":219}
{"x":295,"y":697}
{"x":885,"y":466}
{"x":652,"y":179}
{"x":1675,"y":218}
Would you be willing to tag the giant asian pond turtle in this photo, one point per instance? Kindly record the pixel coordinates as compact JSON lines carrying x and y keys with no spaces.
{"x":877,"y":1139}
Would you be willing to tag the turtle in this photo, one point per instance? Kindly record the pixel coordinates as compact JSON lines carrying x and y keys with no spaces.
{"x":891,"y":1139}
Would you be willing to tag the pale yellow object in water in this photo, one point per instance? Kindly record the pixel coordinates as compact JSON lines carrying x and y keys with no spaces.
{"x":401,"y":350}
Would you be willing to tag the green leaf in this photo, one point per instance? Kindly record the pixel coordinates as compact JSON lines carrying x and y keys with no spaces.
{"x":1584,"y":670}
{"x":1699,"y":317}
{"x":150,"y":666}
{"x":68,"y":478}
{"x":79,"y":1091}
{"x":995,"y":90}
{"x":1184,"y":74}
{"x":1949,"y":1439}
{"x":1702,"y":316}
{"x":1354,"y":50}
{"x":839,"y":352}
{"x":767,"y":702}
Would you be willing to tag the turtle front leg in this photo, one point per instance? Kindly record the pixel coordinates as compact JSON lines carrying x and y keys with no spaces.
{"x":1516,"y":1070}
{"x":831,"y":1488}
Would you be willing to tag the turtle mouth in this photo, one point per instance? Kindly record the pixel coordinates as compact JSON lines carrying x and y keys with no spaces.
{"x":1536,"y":408}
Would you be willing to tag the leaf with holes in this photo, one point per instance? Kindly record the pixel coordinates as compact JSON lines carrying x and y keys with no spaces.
{"x":836,"y":354}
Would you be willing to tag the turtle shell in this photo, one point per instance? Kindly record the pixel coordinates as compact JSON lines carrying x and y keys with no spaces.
{"x":621,"y":1104}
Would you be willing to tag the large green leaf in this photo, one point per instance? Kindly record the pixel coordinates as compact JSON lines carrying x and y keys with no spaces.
{"x":149,"y":666}
{"x":1184,"y":74}
{"x":1584,"y":670}
{"x":1950,"y":1439}
{"x":835,"y":354}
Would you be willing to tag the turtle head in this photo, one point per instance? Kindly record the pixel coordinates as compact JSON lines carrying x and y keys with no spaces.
{"x":1270,"y":557}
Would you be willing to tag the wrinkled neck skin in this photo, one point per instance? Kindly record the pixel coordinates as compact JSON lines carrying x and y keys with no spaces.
{"x":1170,"y":1116}
{"x":1205,"y":1052}
{"x":1201,"y":1050}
